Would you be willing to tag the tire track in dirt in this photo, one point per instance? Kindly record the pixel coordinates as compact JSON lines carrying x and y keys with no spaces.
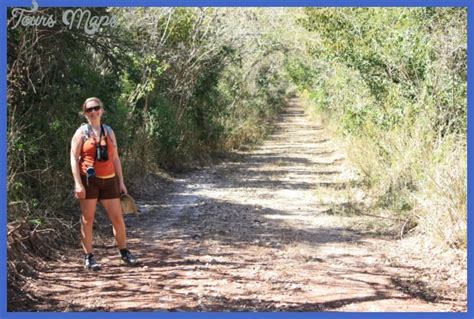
{"x":250,"y":234}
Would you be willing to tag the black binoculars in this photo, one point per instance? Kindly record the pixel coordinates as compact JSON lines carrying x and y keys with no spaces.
{"x":101,"y":153}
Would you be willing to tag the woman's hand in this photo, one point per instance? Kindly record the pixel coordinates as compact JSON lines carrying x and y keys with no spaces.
{"x":123,"y":189}
{"x":79,"y":191}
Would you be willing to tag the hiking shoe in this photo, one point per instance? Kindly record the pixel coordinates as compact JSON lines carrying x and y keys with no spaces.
{"x":90,"y":263}
{"x":128,"y":258}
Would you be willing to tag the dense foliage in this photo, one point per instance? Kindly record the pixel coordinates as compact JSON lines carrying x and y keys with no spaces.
{"x":180,"y":84}
{"x":394,"y":82}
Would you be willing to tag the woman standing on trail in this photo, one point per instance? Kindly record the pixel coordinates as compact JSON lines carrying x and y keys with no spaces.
{"x":98,"y":175}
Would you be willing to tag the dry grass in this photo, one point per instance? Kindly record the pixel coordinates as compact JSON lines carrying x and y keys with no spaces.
{"x":422,"y":183}
{"x":412,"y":175}
{"x":442,"y":196}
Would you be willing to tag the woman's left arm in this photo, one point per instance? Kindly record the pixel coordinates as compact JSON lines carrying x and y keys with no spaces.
{"x":117,"y":163}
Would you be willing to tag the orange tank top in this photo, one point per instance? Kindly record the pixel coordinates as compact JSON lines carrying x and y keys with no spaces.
{"x":103,"y":169}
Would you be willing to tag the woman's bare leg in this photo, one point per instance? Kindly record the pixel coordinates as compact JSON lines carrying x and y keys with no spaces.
{"x":114,"y":211}
{"x":88,"y":207}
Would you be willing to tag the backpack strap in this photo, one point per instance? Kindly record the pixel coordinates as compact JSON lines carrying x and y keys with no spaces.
{"x":108,"y":133}
{"x":86,"y":131}
{"x":108,"y":130}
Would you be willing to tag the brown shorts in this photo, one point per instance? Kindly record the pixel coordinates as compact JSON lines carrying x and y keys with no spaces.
{"x":101,"y":188}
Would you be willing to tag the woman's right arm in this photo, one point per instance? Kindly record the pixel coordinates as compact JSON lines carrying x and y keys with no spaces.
{"x":76,"y":145}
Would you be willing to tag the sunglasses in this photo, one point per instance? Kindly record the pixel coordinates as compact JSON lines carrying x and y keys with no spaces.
{"x":94,"y":108}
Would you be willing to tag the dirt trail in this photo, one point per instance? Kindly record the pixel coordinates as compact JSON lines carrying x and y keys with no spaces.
{"x":251,"y":233}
